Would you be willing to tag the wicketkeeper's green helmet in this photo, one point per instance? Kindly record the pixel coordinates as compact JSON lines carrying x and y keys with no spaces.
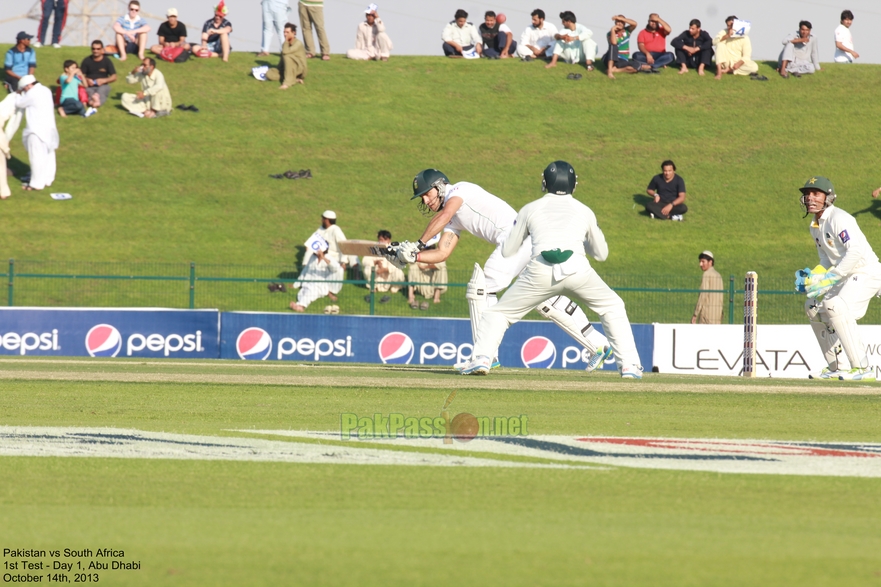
{"x":427,"y":179}
{"x":820,"y":183}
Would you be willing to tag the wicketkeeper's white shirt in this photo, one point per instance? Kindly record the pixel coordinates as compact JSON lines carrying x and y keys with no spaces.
{"x":841,"y":243}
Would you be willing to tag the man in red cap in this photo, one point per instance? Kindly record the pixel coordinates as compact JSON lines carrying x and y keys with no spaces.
{"x":215,"y":35}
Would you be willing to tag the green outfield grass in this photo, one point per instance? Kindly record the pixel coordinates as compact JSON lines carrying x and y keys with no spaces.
{"x":194,"y":187}
{"x":237,"y":523}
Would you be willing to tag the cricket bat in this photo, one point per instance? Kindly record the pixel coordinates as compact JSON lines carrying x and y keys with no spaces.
{"x":362,"y":248}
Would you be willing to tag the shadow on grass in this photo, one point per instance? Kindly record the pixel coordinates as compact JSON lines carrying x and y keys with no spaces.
{"x":18,"y":167}
{"x":874,"y":209}
{"x":641,"y":200}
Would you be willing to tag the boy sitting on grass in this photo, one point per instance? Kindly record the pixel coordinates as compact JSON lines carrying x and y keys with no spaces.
{"x":71,"y":80}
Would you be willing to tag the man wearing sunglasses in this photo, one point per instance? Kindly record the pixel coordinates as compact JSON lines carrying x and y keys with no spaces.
{"x":99,"y":73}
{"x":131,"y":32}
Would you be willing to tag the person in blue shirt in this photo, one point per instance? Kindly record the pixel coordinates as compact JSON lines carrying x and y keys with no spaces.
{"x":20,"y":60}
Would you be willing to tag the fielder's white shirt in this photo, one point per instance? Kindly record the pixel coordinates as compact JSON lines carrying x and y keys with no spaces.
{"x":39,"y":110}
{"x":482,"y":214}
{"x":841,"y":244}
{"x":843,"y":36}
{"x":543,"y":37}
{"x":558,"y":222}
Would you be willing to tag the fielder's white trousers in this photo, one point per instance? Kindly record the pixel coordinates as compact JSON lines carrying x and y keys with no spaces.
{"x":535,"y":285}
{"x":4,"y":151}
{"x":42,"y":160}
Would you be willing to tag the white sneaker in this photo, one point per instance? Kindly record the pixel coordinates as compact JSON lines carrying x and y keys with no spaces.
{"x":677,"y":218}
{"x":56,"y":45}
{"x":652,"y":215}
{"x":459,"y":366}
{"x":36,"y":44}
{"x":858,"y":375}
{"x":598,"y":358}
{"x":138,"y":114}
{"x":478,"y":366}
{"x":91,"y":110}
{"x":631,"y":372}
{"x":827,"y":373}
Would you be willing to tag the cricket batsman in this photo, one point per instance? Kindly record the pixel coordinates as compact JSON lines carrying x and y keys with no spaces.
{"x":559,"y":230}
{"x":840,"y":288}
{"x":467,"y":207}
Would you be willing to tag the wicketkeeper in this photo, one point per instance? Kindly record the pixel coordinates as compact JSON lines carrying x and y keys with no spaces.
{"x":839,"y":289}
{"x":467,"y":207}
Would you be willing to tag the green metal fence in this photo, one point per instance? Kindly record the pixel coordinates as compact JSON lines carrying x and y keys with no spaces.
{"x":649,"y":298}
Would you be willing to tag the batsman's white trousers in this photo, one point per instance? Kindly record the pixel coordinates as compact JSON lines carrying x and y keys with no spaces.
{"x":4,"y":183}
{"x":500,"y":271}
{"x":536,"y":284}
{"x":42,"y":160}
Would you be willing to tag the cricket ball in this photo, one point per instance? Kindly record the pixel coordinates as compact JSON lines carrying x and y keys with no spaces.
{"x":464,"y":427}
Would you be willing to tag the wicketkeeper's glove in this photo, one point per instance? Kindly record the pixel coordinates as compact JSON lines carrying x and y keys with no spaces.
{"x":800,"y":276}
{"x":820,"y":281}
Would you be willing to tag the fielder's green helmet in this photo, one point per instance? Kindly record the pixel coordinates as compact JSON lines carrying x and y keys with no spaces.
{"x":559,"y":178}
{"x":425,"y":180}
{"x":818,"y":182}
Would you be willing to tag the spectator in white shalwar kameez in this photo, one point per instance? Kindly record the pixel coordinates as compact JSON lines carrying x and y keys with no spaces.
{"x":537,"y":41}
{"x":574,"y":43}
{"x":371,"y":40}
{"x":40,"y":136}
{"x":323,"y":265}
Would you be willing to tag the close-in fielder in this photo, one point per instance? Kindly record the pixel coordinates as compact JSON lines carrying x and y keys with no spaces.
{"x":839,"y":294}
{"x":559,"y":231}
{"x":467,"y":207}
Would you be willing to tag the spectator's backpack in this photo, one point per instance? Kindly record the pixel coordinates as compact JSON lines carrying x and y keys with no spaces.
{"x":174,"y":54}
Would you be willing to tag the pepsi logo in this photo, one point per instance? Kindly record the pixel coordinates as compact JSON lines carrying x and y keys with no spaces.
{"x":396,"y":348}
{"x":538,"y":353}
{"x":254,"y":344}
{"x":103,"y":340}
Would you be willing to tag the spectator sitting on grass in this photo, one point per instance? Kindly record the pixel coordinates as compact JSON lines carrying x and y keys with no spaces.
{"x":734,"y":52}
{"x":131,"y":32}
{"x":154,"y":99}
{"x":215,"y":35}
{"x":801,"y":53}
{"x":574,"y":43}
{"x":99,"y":73}
{"x":498,"y":38}
{"x":537,"y":41}
{"x":694,"y":48}
{"x":652,"y":42}
{"x":20,"y":60}
{"x":618,"y":57}
{"x":292,"y":67}
{"x":388,"y":277}
{"x":428,"y":280}
{"x":668,"y":190}
{"x":71,"y":81}
{"x":172,"y":33}
{"x":461,"y":37}
{"x":371,"y":40}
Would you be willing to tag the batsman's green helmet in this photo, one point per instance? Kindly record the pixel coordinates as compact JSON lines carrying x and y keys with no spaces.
{"x":425,"y":180}
{"x":559,"y":178}
{"x":818,"y":182}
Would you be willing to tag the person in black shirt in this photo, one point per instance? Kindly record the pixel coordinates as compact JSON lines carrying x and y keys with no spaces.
{"x":99,"y":73}
{"x":172,"y":33}
{"x":668,"y":191}
{"x":496,"y":36}
{"x":694,"y":48}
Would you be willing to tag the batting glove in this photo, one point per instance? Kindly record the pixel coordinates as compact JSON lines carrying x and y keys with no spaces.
{"x":407,"y":252}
